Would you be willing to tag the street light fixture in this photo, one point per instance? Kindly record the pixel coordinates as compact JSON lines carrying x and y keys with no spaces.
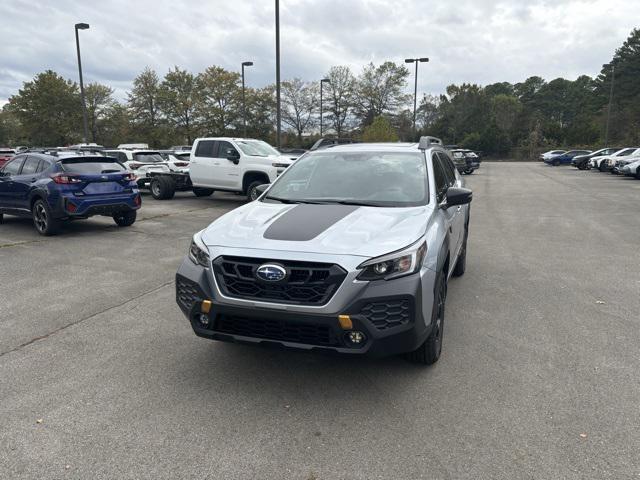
{"x":415,"y":91}
{"x":82,"y":26}
{"x":244,"y":105}
{"x":278,"y":124}
{"x":324,"y":80}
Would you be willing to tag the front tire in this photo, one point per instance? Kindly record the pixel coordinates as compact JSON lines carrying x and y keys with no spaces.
{"x":252,"y":190}
{"x":203,"y":192}
{"x":163,"y":188}
{"x":556,"y":163}
{"x":602,"y":167}
{"x":637,"y":173}
{"x":125,"y":219}
{"x":43,"y":219}
{"x":429,"y":352}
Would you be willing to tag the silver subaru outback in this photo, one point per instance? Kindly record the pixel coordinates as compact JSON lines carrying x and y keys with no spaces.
{"x":349,"y":251}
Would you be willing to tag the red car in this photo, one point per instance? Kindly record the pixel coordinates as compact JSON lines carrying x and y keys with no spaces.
{"x":6,"y":154}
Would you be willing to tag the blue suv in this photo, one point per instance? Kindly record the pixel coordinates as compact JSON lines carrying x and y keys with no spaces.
{"x":53,"y":189}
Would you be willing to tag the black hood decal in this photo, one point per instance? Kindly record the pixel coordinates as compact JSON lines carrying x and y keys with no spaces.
{"x":306,"y":221}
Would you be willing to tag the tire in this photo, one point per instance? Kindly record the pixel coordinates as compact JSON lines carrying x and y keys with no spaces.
{"x":252,"y":193}
{"x":429,"y":352}
{"x":43,"y":219}
{"x":125,"y":219}
{"x":602,"y":167}
{"x":469,"y":171}
{"x":556,"y":163}
{"x":203,"y":192}
{"x":163,"y":188}
{"x":461,"y":264}
{"x":637,"y":173}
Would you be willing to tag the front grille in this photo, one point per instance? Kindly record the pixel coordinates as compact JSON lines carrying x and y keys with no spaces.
{"x":280,"y":330}
{"x":188,"y":293}
{"x":387,"y":314}
{"x":307,"y":283}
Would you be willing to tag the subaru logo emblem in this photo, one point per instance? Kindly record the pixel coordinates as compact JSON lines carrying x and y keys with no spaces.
{"x":271,"y":273}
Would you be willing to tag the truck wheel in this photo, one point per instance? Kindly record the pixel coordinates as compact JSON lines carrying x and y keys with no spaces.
{"x":429,"y":352}
{"x":163,"y":188}
{"x":252,"y":190}
{"x":125,"y":219}
{"x":203,"y":192}
{"x":43,"y":219}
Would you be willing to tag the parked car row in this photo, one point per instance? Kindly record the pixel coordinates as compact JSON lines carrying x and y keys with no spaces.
{"x":617,"y":160}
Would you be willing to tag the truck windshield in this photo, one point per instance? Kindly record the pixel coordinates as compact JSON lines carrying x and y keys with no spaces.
{"x":382,"y":179}
{"x":256,"y":148}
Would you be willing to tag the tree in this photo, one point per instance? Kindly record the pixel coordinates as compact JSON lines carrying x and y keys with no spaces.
{"x":299,"y":104}
{"x":143,"y":99}
{"x":49,"y":110}
{"x":427,"y":112}
{"x":340,"y":98}
{"x":261,"y":108}
{"x":99,"y":99}
{"x":380,"y":91}
{"x":220,"y":107}
{"x":178,"y":96}
{"x":380,"y":130}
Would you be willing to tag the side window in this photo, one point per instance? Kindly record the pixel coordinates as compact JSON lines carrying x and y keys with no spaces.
{"x":205,"y":148}
{"x":439,"y":176}
{"x":13,"y":167}
{"x":449,"y":169}
{"x":30,"y":166}
{"x":44,"y":165}
{"x":226,"y":150}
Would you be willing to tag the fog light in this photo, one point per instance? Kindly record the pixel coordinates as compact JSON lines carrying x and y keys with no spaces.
{"x":355,"y":337}
{"x":203,"y":318}
{"x":345,"y":322}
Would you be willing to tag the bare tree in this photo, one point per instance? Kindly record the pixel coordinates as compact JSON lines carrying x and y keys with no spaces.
{"x":300,"y":102}
{"x":340,"y":98}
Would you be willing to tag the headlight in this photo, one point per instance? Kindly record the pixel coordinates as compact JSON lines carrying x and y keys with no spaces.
{"x":394,"y":265}
{"x":198,"y":252}
{"x":280,"y":165}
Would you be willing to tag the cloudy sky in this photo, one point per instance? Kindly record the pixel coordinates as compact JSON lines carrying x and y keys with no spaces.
{"x":480,"y":41}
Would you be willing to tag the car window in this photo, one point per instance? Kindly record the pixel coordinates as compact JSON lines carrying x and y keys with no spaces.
{"x":439,"y":176}
{"x":148,"y":157}
{"x":205,"y":148}
{"x":42,"y":166}
{"x":13,"y":167}
{"x":30,"y":166}
{"x":449,"y":169}
{"x":91,"y":166}
{"x":226,"y":150}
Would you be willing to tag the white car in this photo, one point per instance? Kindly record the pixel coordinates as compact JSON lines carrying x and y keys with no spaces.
{"x":550,"y":154}
{"x":605,"y":163}
{"x":140,"y":163}
{"x":632,"y":169}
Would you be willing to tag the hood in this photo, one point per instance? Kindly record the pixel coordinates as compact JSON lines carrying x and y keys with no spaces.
{"x":331,"y":229}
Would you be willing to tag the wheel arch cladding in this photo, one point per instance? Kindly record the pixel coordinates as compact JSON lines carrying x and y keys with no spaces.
{"x":253,"y":176}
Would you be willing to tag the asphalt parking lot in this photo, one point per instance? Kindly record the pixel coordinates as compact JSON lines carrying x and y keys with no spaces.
{"x":102,"y":377}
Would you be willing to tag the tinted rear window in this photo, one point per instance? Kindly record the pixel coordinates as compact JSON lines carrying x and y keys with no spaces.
{"x":91,"y":166}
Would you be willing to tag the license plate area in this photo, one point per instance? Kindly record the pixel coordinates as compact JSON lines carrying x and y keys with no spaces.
{"x":102,"y":188}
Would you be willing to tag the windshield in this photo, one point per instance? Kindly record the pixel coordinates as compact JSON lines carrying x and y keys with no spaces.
{"x":150,"y":157}
{"x":91,"y":166}
{"x":385,"y":179}
{"x":256,"y":148}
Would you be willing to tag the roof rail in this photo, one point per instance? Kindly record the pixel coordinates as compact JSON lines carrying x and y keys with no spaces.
{"x":428,"y":142}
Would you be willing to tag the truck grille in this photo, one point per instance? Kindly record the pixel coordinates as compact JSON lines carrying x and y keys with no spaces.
{"x":279,"y":330}
{"x":387,"y":314}
{"x":307,"y":283}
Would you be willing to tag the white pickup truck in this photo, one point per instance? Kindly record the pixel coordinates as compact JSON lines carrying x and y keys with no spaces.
{"x":225,"y":164}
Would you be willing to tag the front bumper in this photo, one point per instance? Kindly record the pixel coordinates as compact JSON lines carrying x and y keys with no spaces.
{"x":394,"y":316}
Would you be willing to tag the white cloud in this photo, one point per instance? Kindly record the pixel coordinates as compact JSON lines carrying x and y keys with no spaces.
{"x":480,"y":41}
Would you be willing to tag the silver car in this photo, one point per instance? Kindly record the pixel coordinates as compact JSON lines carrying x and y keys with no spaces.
{"x":631,"y":169}
{"x":349,"y":251}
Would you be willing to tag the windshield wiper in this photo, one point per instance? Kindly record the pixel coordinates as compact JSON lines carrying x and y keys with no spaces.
{"x":350,"y":202}
{"x":290,"y":200}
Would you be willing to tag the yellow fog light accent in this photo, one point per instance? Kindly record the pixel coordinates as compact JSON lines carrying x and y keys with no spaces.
{"x":345,"y":322}
{"x":205,"y":306}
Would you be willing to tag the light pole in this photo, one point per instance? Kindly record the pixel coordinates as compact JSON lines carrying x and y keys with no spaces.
{"x":324,"y":80}
{"x":278,"y":125}
{"x":82,"y":26}
{"x":244,"y":104}
{"x":606,"y":134}
{"x":415,"y":90}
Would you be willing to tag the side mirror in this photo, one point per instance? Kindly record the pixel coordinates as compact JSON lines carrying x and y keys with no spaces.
{"x":262,"y":188}
{"x":458,"y":196}
{"x":233,"y":157}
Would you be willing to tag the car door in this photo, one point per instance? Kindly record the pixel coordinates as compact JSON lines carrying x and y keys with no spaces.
{"x":230,"y":165}
{"x":458,"y":219}
{"x":7,"y":182}
{"x":204,"y":165}
{"x":448,"y":214}
{"x":24,"y":182}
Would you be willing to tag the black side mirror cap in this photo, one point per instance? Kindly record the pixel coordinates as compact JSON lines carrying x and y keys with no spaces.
{"x":263,"y":188}
{"x":458,"y":196}
{"x":234,"y":158}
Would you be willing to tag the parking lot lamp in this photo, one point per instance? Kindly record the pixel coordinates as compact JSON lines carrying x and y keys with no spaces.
{"x":244,"y":104}
{"x":415,"y":90}
{"x":278,"y":124}
{"x":82,"y":26}
{"x":324,"y":80}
